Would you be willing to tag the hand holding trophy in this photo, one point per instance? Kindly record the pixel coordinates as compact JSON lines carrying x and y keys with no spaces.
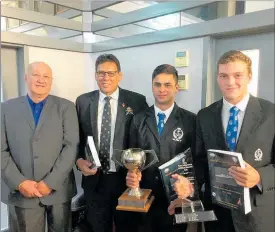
{"x":135,"y":160}
{"x":178,"y":176}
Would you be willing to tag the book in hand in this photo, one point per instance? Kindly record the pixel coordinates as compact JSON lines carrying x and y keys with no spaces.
{"x":91,"y":153}
{"x":182,"y":165}
{"x":224,"y":189}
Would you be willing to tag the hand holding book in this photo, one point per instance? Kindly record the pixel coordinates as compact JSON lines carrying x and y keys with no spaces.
{"x":245,"y":177}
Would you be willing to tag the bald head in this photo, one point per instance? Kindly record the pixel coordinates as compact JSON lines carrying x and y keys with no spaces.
{"x":39,"y":80}
{"x":38,"y":65}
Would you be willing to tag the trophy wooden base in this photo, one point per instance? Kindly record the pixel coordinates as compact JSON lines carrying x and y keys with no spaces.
{"x":134,"y":204}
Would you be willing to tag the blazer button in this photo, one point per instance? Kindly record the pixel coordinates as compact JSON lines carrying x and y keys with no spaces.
{"x":157,"y":178}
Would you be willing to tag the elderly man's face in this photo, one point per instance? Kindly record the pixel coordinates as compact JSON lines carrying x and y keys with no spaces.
{"x":39,"y":79}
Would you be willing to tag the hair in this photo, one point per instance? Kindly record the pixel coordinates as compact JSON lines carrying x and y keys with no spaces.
{"x":107,"y":58}
{"x":166,"y":68}
{"x":234,"y":55}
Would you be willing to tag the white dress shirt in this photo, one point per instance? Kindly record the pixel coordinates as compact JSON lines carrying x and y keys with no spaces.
{"x":114,"y":104}
{"x":166,"y":112}
{"x":226,"y":114}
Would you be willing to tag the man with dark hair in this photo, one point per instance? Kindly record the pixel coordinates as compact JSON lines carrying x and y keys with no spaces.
{"x":105,"y":114}
{"x":167,"y":129}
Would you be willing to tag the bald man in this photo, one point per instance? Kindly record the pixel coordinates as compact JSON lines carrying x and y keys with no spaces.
{"x":39,"y":139}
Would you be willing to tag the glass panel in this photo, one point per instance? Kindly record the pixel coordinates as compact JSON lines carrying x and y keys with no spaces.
{"x":53,"y":32}
{"x":251,"y":6}
{"x":9,"y":3}
{"x":44,"y":7}
{"x":27,"y":5}
{"x":123,"y":31}
{"x":128,"y":6}
{"x":12,"y":23}
{"x":59,"y":9}
{"x":3,"y":24}
{"x":77,"y":18}
{"x":163,"y":22}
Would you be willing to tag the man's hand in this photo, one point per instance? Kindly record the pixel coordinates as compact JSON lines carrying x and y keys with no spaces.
{"x":246,"y":177}
{"x":44,"y":189}
{"x":133,"y":178}
{"x":174,"y":204}
{"x":84,"y":165}
{"x":182,"y":186}
{"x":28,"y":189}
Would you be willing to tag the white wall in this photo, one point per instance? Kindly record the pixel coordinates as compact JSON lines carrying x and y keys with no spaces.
{"x":138,"y":64}
{"x":74,"y":72}
{"x":251,"y":6}
{"x":68,"y":70}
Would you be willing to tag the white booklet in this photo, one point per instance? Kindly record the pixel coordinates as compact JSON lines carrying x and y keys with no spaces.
{"x":91,"y":153}
{"x":225,"y":191}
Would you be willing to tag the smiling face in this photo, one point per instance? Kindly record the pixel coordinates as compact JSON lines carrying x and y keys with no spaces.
{"x":108,"y":77}
{"x":39,"y":79}
{"x":233,"y":79}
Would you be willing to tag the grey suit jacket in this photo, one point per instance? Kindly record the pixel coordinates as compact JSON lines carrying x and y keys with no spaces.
{"x":257,"y":133}
{"x":44,"y":152}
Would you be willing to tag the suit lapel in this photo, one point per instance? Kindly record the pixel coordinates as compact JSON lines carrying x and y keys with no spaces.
{"x":217,"y":126}
{"x":171,"y":121}
{"x":27,"y":112}
{"x":45,"y":114}
{"x":121,"y":114}
{"x":252,"y":118}
{"x":152,"y":123}
{"x":93,"y":116}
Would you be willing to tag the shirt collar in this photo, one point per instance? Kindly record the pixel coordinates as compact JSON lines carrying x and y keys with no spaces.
{"x":240,"y":105}
{"x":31,"y":102}
{"x":166,"y":112}
{"x":114,"y":95}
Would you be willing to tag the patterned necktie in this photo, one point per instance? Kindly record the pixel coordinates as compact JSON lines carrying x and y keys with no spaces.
{"x":232,"y":128}
{"x":105,"y":136}
{"x":161,"y":122}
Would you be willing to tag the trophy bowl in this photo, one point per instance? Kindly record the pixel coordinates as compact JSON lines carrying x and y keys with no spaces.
{"x":134,"y":159}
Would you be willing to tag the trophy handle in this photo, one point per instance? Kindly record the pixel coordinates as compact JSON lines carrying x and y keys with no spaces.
{"x":154,"y":160}
{"x":116,"y":157}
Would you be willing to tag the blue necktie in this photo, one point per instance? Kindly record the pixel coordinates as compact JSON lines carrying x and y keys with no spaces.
{"x":232,"y":128}
{"x":161,"y":122}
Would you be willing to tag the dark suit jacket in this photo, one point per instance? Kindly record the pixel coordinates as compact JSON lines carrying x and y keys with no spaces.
{"x":87,"y":106}
{"x":257,"y":131}
{"x":144,"y":135}
{"x":44,"y":152}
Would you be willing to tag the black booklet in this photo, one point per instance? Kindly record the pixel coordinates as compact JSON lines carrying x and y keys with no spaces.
{"x":224,"y":189}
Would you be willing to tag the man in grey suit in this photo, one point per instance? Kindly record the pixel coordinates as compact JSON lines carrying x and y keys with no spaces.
{"x":252,"y":135}
{"x":39,"y":140}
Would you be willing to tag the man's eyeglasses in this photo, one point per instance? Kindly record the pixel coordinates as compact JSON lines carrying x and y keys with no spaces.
{"x":102,"y":73}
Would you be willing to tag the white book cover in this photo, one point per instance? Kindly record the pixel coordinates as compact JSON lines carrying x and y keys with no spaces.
{"x":93,"y":150}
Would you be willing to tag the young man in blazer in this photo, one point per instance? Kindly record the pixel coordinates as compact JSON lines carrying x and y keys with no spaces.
{"x":39,"y":141}
{"x":167,"y":129}
{"x":105,"y":114}
{"x":242,"y":123}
